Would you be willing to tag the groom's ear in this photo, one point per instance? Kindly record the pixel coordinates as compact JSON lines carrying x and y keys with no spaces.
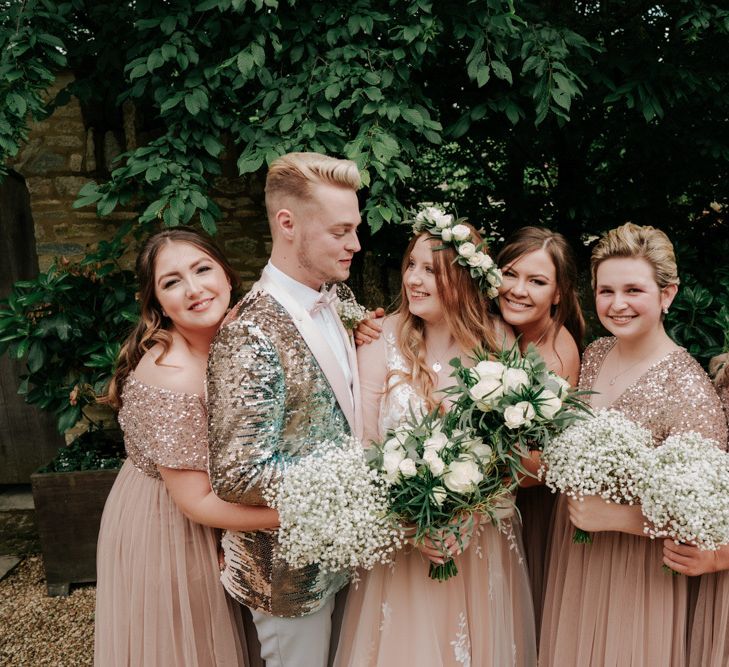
{"x":284,"y":222}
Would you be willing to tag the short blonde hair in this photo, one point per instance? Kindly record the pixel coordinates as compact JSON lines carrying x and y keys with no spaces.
{"x":293,"y":174}
{"x":646,"y":242}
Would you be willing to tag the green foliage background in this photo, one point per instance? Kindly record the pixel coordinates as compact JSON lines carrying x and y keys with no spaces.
{"x":578,"y":115}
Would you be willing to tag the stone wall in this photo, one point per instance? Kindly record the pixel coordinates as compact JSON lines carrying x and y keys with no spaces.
{"x":63,"y":153}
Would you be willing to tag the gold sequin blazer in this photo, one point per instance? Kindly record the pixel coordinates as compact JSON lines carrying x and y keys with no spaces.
{"x":275,"y":391}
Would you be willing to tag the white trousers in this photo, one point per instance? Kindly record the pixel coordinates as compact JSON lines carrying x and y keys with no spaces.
{"x":295,"y":642}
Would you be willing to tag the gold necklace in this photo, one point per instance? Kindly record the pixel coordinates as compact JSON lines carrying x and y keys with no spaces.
{"x":615,"y":377}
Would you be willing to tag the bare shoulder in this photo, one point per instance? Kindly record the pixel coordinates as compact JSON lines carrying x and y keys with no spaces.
{"x":565,"y":357}
{"x":177,"y":371}
{"x":504,"y":333}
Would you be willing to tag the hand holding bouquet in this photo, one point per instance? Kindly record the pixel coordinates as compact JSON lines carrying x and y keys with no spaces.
{"x":438,"y":476}
{"x":333,"y":510}
{"x":684,"y":492}
{"x":605,"y":455}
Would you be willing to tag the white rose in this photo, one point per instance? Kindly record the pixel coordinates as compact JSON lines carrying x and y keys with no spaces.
{"x":439,"y":495}
{"x":465,"y":250}
{"x":443,"y":220}
{"x":391,"y":462}
{"x":475,"y":259}
{"x":392,"y":444}
{"x":515,"y":379}
{"x":486,"y":392}
{"x":561,"y":385}
{"x":462,"y":476}
{"x":519,"y":414}
{"x":479,"y":449}
{"x":549,"y":404}
{"x":494,"y":277}
{"x":401,"y":435}
{"x":407,"y":468}
{"x":446,"y":234}
{"x":486,"y":261}
{"x":435,"y":463}
{"x":436,"y":441}
{"x":492,"y":292}
{"x":488,"y":369}
{"x":461,"y":233}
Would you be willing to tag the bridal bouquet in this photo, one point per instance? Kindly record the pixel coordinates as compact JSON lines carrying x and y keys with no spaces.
{"x":685,"y":490}
{"x":514,"y":403}
{"x":606,"y":455}
{"x":438,"y":477}
{"x":333,"y":510}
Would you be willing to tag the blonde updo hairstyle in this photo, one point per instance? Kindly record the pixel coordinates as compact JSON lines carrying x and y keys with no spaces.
{"x":642,"y":241}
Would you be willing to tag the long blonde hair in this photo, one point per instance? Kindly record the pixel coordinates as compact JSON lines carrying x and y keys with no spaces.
{"x":152,"y":327}
{"x":466,"y":311}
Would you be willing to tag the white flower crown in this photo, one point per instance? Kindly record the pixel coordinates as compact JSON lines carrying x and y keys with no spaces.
{"x":436,"y":222}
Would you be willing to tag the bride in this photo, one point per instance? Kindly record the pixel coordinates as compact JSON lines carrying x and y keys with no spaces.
{"x":396,"y":614}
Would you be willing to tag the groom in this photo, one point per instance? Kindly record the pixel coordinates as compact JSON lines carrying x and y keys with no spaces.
{"x":282,"y":379}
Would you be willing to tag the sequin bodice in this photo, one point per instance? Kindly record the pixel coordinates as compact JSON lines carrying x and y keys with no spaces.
{"x":674,"y":396}
{"x":163,"y":427}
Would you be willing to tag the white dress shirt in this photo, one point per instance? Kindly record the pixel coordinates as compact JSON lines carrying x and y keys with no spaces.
{"x":325,"y":319}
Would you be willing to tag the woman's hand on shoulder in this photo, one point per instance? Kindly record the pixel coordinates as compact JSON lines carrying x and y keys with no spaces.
{"x":370,"y":329}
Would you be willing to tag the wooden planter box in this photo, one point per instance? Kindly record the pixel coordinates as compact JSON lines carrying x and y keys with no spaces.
{"x":68,"y":507}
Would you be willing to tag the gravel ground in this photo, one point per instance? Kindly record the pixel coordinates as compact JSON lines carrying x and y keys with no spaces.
{"x":39,"y":630}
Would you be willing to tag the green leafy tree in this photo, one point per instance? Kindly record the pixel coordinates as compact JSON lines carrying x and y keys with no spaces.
{"x":579,"y":115}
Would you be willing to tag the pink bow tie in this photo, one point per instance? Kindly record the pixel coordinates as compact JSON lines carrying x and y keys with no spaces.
{"x":324,"y":300}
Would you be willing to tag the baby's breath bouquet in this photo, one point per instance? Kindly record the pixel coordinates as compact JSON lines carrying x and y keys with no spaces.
{"x":333,"y":510}
{"x":438,"y":477}
{"x":605,"y":455}
{"x":684,"y":492}
{"x":514,"y":403}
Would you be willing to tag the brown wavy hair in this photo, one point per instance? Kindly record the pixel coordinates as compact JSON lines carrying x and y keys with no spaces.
{"x":567,"y":312}
{"x":152,"y":327}
{"x":466,"y":310}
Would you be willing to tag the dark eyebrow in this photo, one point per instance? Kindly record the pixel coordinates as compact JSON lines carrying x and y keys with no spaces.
{"x":177,"y":273}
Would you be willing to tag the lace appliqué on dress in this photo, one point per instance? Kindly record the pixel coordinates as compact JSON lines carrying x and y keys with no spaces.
{"x":401,"y":397}
{"x":462,"y":644}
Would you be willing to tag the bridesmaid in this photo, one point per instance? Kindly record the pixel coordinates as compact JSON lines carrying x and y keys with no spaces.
{"x":538,"y":298}
{"x":159,"y":601}
{"x":709,"y":638}
{"x":610,"y":603}
{"x":396,"y":615}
